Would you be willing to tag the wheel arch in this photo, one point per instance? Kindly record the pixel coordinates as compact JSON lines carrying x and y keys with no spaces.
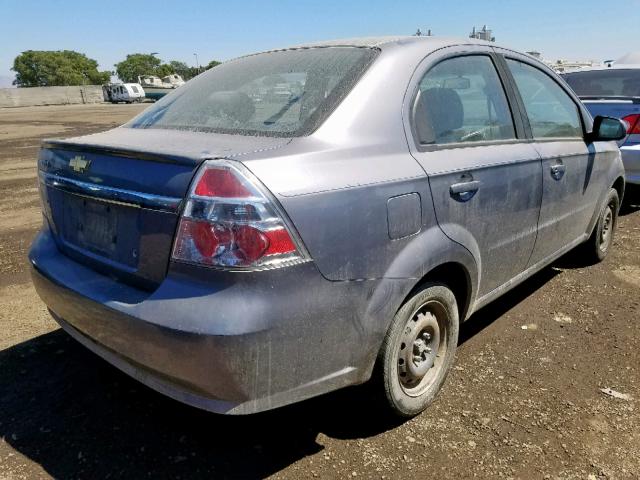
{"x":619,"y":186}
{"x":430,"y":257}
{"x":456,"y":277}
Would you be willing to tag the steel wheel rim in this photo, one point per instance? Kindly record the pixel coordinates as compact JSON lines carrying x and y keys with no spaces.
{"x":422,"y":347}
{"x":607,"y":228}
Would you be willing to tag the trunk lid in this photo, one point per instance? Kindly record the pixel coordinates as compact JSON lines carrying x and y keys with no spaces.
{"x":611,"y":108}
{"x":113,"y":199}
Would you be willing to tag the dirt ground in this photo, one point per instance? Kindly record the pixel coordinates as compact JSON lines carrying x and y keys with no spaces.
{"x":524,"y":399}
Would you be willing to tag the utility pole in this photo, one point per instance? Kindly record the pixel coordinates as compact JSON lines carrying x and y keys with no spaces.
{"x":197,"y":63}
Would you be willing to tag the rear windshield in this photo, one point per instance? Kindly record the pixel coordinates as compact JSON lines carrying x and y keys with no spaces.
{"x":605,"y":83}
{"x":285,"y":93}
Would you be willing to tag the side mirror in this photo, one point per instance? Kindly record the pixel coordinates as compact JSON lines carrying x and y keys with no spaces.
{"x":608,"y":128}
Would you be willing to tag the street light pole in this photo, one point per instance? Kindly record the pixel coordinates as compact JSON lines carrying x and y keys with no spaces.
{"x":197,"y":63}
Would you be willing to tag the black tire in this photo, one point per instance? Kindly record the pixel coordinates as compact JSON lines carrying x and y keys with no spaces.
{"x":597,"y":247}
{"x":427,"y":319}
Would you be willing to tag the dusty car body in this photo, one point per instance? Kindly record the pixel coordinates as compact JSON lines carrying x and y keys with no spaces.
{"x":389,"y":202}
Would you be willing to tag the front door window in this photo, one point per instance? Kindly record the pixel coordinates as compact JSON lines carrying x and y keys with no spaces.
{"x":551,"y":111}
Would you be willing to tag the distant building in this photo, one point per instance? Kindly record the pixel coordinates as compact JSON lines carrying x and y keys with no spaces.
{"x":420,"y":34}
{"x":482,"y":34}
{"x":563,"y":66}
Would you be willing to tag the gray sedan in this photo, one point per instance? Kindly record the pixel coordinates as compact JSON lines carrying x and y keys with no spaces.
{"x":296,"y":221}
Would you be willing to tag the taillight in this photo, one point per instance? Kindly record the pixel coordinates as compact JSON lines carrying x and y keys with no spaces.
{"x":230,"y":221}
{"x":633,"y":122}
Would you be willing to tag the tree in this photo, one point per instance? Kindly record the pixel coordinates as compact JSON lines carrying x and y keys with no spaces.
{"x":138,"y":64}
{"x":182,"y":69}
{"x":163,"y":70}
{"x":212,"y":63}
{"x":187,"y":72}
{"x":135,"y":65}
{"x":38,"y":68}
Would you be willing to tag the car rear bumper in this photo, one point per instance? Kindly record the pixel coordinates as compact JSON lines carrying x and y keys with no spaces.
{"x":227,"y":343}
{"x":631,"y":160}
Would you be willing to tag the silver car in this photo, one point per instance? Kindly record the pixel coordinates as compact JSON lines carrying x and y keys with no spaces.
{"x":296,"y":221}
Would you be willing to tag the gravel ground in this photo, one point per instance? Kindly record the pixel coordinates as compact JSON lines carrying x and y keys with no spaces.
{"x":524,"y":400}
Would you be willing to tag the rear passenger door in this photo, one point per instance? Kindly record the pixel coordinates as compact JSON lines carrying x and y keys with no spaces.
{"x":569,"y":170}
{"x":485,"y":177}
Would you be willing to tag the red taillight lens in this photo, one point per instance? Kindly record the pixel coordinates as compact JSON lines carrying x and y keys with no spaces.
{"x":634,"y":123}
{"x":221,"y":183}
{"x":279,"y":242}
{"x":229,"y":221}
{"x":251,"y":242}
{"x":203,"y":237}
{"x":207,"y":237}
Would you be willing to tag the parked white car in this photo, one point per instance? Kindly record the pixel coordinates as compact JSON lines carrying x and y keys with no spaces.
{"x":123,"y":92}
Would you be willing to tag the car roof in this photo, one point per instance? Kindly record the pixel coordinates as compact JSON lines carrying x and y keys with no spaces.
{"x":383,"y":42}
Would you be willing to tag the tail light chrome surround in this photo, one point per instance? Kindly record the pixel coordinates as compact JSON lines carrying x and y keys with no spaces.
{"x":231,"y":221}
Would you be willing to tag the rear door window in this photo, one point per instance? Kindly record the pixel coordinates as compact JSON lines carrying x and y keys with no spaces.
{"x":462,"y":100}
{"x":552,"y":112}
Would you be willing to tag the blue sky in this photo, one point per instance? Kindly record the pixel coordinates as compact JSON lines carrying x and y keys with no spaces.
{"x":107,"y":31}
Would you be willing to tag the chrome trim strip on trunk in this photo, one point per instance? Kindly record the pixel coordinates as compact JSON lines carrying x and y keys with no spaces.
{"x":118,"y":152}
{"x":119,"y":196}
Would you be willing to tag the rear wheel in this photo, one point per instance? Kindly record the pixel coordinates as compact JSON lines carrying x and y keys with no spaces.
{"x":599,"y":244}
{"x":418,"y":350}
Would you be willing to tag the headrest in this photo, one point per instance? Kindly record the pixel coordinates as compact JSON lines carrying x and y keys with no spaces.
{"x":438,"y":111}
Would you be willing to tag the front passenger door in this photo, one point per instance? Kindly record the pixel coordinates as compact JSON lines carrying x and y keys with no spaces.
{"x":570,"y":190}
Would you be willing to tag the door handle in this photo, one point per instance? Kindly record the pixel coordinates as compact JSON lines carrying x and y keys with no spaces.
{"x":465,"y":190}
{"x":557,"y":171}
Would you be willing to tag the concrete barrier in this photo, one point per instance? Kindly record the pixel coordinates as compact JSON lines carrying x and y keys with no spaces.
{"x":25,"y":97}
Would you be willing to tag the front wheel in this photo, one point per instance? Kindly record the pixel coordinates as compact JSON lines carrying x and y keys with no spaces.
{"x":419,"y":349}
{"x":599,"y":244}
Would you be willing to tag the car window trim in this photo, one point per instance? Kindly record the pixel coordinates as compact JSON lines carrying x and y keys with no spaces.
{"x":424,"y":147}
{"x":515,"y":93}
{"x":516,"y":116}
{"x":577,"y":104}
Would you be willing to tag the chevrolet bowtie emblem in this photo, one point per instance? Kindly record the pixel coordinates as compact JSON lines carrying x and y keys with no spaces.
{"x":79,"y":164}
